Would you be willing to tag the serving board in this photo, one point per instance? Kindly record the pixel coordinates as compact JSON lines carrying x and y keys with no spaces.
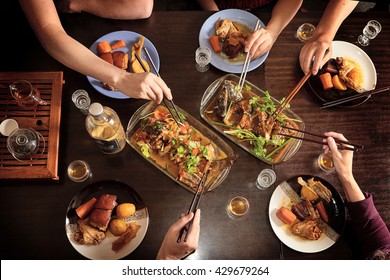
{"x":45,"y":119}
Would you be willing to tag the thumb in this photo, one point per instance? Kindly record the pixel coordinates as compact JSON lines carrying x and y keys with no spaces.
{"x":183,"y":221}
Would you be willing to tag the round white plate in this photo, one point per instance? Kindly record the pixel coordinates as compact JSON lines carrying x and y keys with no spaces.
{"x":279,"y":198}
{"x":103,"y":250}
{"x":348,"y":50}
{"x":130,"y":38}
{"x":208,"y":29}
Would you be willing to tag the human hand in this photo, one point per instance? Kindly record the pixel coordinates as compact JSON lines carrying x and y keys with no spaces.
{"x":342,"y":159}
{"x":259,"y":42}
{"x":170,"y":249}
{"x":314,"y":54}
{"x":144,"y":86}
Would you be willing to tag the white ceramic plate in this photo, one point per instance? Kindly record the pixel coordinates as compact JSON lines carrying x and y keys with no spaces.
{"x":208,"y":29}
{"x":130,"y":38}
{"x":103,"y":250}
{"x":348,"y":50}
{"x":336,"y":213}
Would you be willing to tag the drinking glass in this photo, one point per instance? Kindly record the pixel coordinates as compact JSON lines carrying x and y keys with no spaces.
{"x":265,"y":179}
{"x":202,"y":58}
{"x":237,"y":207}
{"x":370,"y":31}
{"x":305,"y":32}
{"x":79,"y":171}
{"x":24,"y":143}
{"x":81,"y":100}
{"x":325,"y":162}
{"x":26,"y":95}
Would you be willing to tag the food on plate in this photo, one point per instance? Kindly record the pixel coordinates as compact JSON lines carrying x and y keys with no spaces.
{"x":286,"y":215}
{"x":83,"y":210}
{"x":342,"y":73}
{"x":310,"y":212}
{"x":247,"y":118}
{"x":120,"y":59}
{"x":119,"y":44}
{"x":125,"y":210}
{"x":87,"y":234}
{"x":215,"y":44}
{"x":136,"y":48}
{"x":137,"y":68}
{"x":107,"y":57}
{"x":117,"y":227}
{"x":126,"y":237}
{"x":104,"y":47}
{"x":183,"y":152}
{"x":96,"y":219}
{"x":231,"y":37}
{"x":326,"y":80}
{"x":351,"y":73}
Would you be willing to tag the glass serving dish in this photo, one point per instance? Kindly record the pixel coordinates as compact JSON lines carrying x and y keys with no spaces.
{"x":276,"y":156}
{"x":218,"y":172}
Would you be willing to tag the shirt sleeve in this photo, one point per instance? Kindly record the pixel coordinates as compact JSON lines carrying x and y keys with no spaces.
{"x":369,"y":226}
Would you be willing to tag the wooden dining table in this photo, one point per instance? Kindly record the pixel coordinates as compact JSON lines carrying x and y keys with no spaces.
{"x":33,"y":211}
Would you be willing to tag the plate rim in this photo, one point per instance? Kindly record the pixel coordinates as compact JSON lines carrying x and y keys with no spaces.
{"x":118,"y":94}
{"x":222,"y":65}
{"x":279,"y":229}
{"x":68,"y":226}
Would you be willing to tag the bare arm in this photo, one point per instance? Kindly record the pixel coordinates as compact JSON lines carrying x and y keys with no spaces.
{"x":114,"y":9}
{"x":263,"y":39}
{"x":335,"y":13}
{"x":46,"y":24}
{"x":208,"y":5}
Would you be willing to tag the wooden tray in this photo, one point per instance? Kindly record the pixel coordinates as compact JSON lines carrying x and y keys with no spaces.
{"x":45,"y":119}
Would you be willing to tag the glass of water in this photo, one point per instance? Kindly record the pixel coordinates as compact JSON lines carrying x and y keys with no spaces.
{"x":81,"y":100}
{"x":202,"y":58}
{"x":265,"y":179}
{"x":370,"y":31}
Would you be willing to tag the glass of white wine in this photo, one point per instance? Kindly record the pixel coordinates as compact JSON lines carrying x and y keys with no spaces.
{"x":305,"y":32}
{"x":79,"y":171}
{"x":237,"y":207}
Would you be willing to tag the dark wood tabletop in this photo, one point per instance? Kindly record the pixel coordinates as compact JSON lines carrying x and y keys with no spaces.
{"x":33,"y":211}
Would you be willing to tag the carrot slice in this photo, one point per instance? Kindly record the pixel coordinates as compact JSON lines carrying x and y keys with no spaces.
{"x":215,"y":44}
{"x":83,"y":210}
{"x":326,"y":80}
{"x":338,"y":83}
{"x":104,"y":47}
{"x":286,"y":215}
{"x":118,"y":44}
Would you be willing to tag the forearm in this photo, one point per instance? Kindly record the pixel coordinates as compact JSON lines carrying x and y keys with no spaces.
{"x":335,"y":13}
{"x":208,"y":5}
{"x":351,"y":188}
{"x":282,"y":14}
{"x":114,"y":9}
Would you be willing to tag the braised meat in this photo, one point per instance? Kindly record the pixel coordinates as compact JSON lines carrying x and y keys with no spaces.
{"x":308,"y":229}
{"x":87,"y":234}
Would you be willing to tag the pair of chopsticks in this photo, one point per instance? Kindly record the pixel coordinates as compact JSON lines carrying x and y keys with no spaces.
{"x":354,"y":97}
{"x":246,"y":64}
{"x":291,"y":95}
{"x":194,"y":205}
{"x":340,"y":143}
{"x":176,"y":116}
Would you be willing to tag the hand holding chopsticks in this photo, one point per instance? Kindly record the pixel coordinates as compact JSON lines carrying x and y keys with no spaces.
{"x":194,"y":205}
{"x":341,"y":144}
{"x":174,"y":113}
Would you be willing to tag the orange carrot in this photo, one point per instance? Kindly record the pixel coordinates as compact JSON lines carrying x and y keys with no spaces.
{"x":285,"y":215}
{"x":83,"y":210}
{"x":104,"y":47}
{"x":215,"y":44}
{"x":326,"y":80}
{"x":118,"y":44}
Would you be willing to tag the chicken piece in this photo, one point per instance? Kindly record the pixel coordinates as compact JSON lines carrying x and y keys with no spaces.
{"x":308,"y":229}
{"x":350,"y":73}
{"x":126,"y":237}
{"x":223,"y":32}
{"x":88,"y":235}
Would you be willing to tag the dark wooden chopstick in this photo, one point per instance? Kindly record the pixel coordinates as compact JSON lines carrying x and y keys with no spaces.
{"x":354,"y":97}
{"x":194,"y":205}
{"x":355,"y":147}
{"x":291,"y":95}
{"x":158,"y":75}
{"x":178,"y":121}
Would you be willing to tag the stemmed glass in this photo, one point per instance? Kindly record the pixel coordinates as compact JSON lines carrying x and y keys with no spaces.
{"x":370,"y":31}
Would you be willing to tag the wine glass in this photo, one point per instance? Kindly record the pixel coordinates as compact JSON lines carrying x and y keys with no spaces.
{"x":370,"y":31}
{"x":202,"y":58}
